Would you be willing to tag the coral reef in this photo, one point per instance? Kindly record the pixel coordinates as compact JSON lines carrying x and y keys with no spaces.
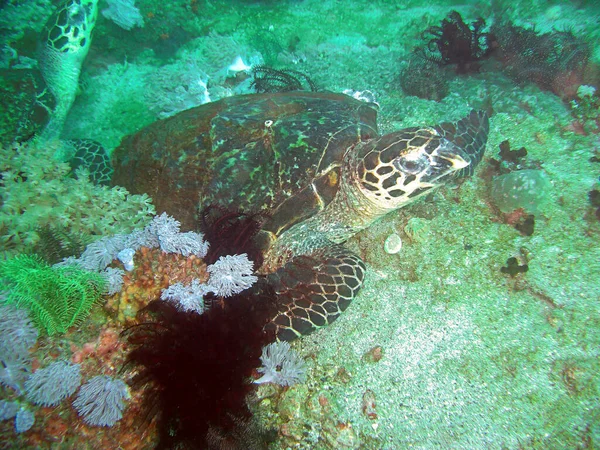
{"x":585,"y":109}
{"x":473,"y":352}
{"x":36,"y":190}
{"x":155,"y":270}
{"x":177,"y":87}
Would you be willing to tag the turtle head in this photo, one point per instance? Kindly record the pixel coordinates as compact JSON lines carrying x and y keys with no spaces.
{"x":397,"y":168}
{"x":69,"y":29}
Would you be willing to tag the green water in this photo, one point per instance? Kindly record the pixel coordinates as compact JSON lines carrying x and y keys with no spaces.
{"x":442,"y":348}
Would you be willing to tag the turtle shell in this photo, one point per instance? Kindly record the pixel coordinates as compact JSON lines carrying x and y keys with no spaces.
{"x":280,"y":152}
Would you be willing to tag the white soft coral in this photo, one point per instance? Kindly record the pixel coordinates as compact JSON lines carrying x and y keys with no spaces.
{"x":281,"y":365}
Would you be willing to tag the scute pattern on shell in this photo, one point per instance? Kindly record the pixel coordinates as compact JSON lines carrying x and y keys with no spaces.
{"x":253,"y":151}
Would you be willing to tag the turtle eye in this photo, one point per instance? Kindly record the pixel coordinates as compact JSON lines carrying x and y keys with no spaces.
{"x":411,"y":164}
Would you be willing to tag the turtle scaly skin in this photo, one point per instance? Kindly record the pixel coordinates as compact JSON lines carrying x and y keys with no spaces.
{"x":316,"y":163}
{"x":378,"y":176}
{"x":64,"y":44}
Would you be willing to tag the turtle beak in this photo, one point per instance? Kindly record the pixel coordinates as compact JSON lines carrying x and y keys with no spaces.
{"x":448,"y":160}
{"x":456,"y":156}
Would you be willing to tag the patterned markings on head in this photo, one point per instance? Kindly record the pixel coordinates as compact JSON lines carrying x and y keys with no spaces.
{"x":400,"y":167}
{"x":71,"y":28}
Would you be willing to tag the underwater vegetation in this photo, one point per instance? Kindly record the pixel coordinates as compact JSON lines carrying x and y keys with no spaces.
{"x":450,"y":344}
{"x":56,"y":297}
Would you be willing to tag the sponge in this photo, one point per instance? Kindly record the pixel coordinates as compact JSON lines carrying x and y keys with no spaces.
{"x":528,"y":189}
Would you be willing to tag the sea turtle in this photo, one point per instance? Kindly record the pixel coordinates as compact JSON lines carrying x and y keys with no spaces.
{"x":64,"y":44}
{"x":316,"y":162}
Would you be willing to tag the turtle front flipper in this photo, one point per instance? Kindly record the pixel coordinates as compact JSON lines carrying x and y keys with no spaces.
{"x":313,"y":290}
